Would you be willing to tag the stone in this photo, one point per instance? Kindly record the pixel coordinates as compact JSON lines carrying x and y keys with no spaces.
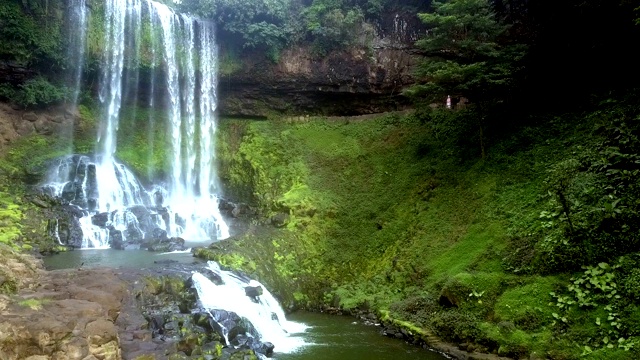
{"x":100,"y":332}
{"x":30,"y":116}
{"x":24,"y":128}
{"x":253,"y":291}
{"x":44,"y":127}
{"x":100,"y":219}
{"x":280,"y":219}
{"x":57,"y":119}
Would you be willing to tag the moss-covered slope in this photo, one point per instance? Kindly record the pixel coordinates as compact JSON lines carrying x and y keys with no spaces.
{"x":394,"y":214}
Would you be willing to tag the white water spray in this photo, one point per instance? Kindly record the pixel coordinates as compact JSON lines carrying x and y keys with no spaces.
{"x":189,"y":65}
{"x":266,"y":315}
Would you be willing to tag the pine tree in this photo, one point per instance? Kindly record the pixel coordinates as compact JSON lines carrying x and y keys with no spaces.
{"x":465,"y":53}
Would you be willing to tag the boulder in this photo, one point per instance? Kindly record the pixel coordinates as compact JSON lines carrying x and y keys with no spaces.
{"x":167,"y":245}
{"x":30,"y":116}
{"x":253,"y":291}
{"x":280,"y":219}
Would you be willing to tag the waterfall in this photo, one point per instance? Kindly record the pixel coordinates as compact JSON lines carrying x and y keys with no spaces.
{"x":263,"y":310}
{"x":77,"y":32}
{"x":185,"y":204}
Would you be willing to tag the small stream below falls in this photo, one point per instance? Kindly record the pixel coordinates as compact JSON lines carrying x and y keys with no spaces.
{"x":322,"y":336}
{"x":343,"y":338}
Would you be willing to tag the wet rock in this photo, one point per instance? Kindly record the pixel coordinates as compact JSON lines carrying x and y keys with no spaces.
{"x":158,"y":199}
{"x":236,"y":211}
{"x":68,"y":191}
{"x":253,"y":291}
{"x":100,"y":219}
{"x":265,"y":348}
{"x":280,"y":219}
{"x":167,"y":245}
{"x":115,"y":239}
{"x":180,"y":221}
{"x":159,"y":234}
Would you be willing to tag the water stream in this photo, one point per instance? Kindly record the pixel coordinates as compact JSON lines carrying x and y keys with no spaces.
{"x":296,"y":336}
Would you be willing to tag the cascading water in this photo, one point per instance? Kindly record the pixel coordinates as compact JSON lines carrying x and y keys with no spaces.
{"x":238,"y":294}
{"x":187,"y":205}
{"x":77,"y":34}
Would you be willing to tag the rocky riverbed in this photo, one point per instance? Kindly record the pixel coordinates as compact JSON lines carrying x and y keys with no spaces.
{"x":103,"y":313}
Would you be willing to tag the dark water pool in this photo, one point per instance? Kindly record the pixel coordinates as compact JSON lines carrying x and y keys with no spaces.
{"x":116,"y":259}
{"x":343,"y":338}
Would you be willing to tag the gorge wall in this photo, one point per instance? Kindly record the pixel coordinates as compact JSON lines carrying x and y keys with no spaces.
{"x":358,"y":81}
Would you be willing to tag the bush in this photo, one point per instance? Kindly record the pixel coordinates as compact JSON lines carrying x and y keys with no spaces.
{"x":30,"y":39}
{"x":416,"y":309}
{"x":38,"y":92}
{"x":457,"y":326}
{"x":333,"y":27}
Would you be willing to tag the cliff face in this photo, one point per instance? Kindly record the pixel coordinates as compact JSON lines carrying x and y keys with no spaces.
{"x":13,"y":73}
{"x":360,"y":81}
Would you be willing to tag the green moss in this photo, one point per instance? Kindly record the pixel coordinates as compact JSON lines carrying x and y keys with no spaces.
{"x":10,"y":218}
{"x":143,"y":142}
{"x":517,"y":343}
{"x":385,"y":214}
{"x":527,"y":306}
{"x":145,"y":357}
{"x":34,"y":304}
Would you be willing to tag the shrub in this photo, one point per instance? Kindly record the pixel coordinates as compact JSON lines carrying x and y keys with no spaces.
{"x":38,"y":92}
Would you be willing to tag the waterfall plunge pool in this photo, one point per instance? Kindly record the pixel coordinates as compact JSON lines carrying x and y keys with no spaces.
{"x":342,"y":338}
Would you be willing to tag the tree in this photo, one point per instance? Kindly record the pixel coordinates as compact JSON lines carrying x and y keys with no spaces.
{"x":259,"y":24}
{"x":466,"y":53}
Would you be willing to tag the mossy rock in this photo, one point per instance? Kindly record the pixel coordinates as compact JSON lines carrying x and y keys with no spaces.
{"x":527,"y":306}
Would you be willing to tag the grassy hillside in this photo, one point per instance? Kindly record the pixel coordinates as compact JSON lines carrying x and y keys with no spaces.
{"x":398,"y":213}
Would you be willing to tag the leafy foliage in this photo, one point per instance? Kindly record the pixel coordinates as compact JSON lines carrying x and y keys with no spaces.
{"x":38,"y":92}
{"x":593,"y":211}
{"x":270,"y":25}
{"x":33,"y":39}
{"x":333,"y":25}
{"x":263,"y":24}
{"x":464,"y":55}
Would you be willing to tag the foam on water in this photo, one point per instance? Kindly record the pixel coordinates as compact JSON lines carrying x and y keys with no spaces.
{"x":231,"y":296}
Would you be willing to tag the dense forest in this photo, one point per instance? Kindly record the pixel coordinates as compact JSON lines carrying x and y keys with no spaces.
{"x":507,"y":221}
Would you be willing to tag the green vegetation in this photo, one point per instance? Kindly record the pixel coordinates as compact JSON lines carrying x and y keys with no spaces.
{"x":10,"y":217}
{"x":32,"y":36}
{"x":514,"y":252}
{"x":142,"y":142}
{"x":512,"y":230}
{"x":271,"y":26}
{"x":464,"y":55}
{"x":34,"y":304}
{"x":36,"y":92}
{"x":334,"y":25}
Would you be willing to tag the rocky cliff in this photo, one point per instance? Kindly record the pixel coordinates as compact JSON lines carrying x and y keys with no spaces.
{"x":358,"y":81}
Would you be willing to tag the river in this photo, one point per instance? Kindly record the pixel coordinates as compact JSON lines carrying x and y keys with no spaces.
{"x":326,"y":336}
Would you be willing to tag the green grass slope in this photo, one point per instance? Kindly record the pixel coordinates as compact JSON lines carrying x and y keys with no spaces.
{"x":522,"y":253}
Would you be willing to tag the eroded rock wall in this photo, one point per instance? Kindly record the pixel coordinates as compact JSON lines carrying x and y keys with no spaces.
{"x":15,"y":122}
{"x":358,"y":81}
